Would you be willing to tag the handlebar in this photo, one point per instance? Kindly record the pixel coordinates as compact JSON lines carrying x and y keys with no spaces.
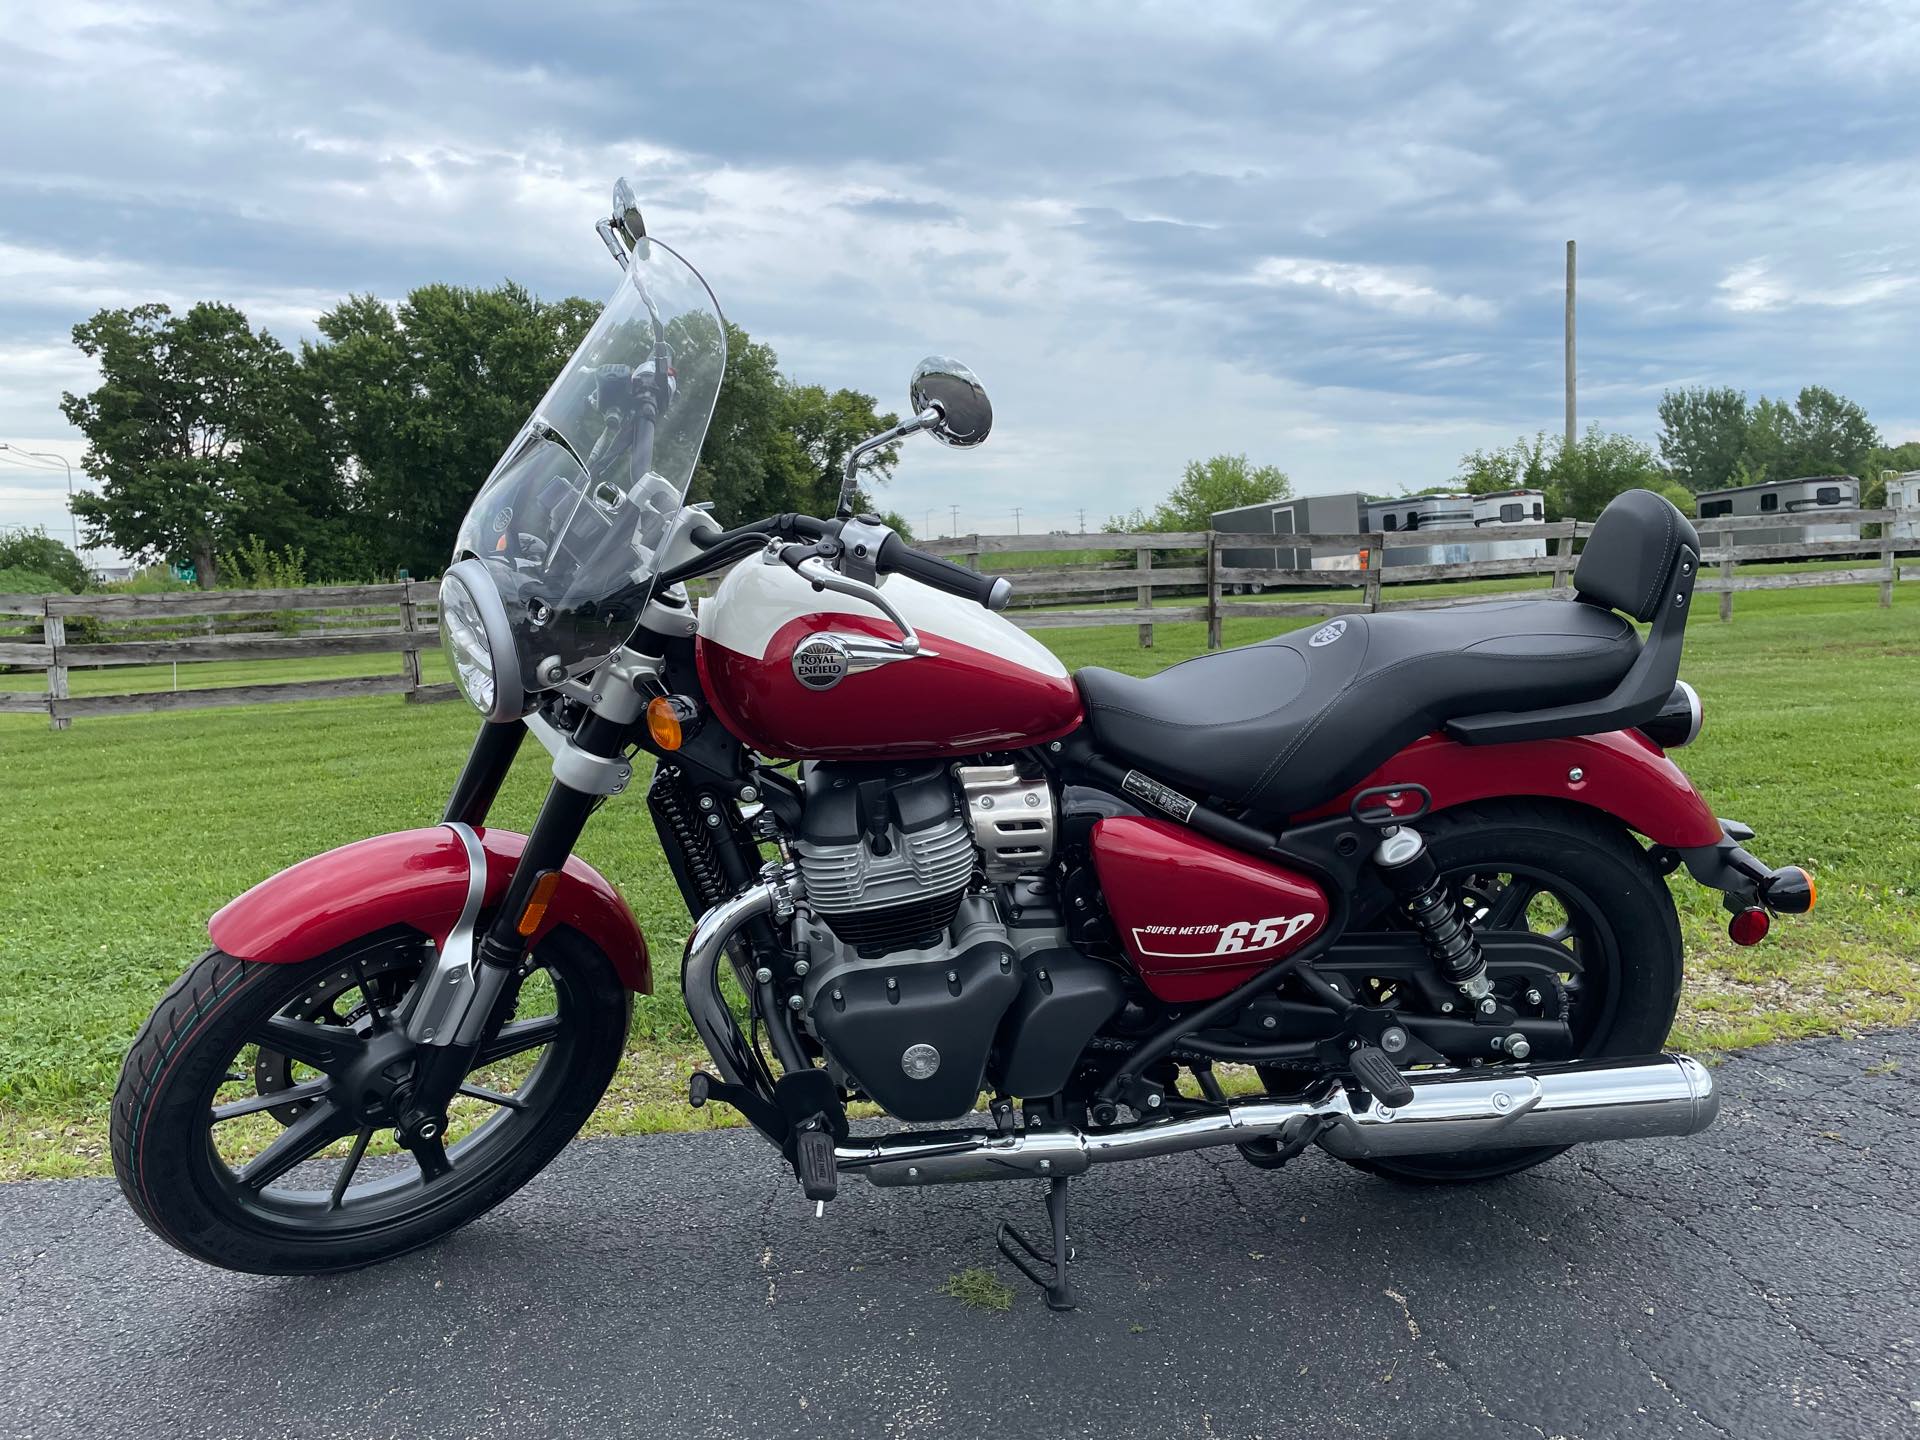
{"x":899,"y":558}
{"x":895,"y":557}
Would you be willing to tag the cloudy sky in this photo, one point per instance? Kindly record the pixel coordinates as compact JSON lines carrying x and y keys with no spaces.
{"x":1330,"y":236}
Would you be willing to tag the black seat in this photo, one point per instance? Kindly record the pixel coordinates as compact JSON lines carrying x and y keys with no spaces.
{"x":1286,"y":724}
{"x":1283,"y":725}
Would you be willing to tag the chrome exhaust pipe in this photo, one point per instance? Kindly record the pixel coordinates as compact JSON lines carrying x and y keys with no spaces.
{"x":1450,"y":1111}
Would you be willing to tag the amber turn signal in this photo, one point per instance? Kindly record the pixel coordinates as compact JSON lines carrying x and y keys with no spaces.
{"x":667,"y":717}
{"x":1789,"y":890}
{"x":537,"y":903}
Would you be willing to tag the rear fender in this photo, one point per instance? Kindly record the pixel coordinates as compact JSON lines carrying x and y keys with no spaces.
{"x":416,"y":878}
{"x":1621,"y":773}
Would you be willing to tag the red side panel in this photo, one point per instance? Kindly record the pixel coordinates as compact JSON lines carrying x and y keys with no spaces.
{"x":416,"y":878}
{"x":953,"y":700}
{"x":1195,"y":917}
{"x":1622,"y":773}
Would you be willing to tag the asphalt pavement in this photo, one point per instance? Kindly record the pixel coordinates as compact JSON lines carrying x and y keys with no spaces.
{"x":1757,"y":1281}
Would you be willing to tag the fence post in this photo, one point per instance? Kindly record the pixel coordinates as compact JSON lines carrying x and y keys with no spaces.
{"x":1376,"y":560}
{"x":1213,"y":590}
{"x":1563,"y":556}
{"x":1887,"y":563}
{"x":410,"y":623}
{"x":1726,"y":573}
{"x":53,"y":629}
{"x":1143,"y":597}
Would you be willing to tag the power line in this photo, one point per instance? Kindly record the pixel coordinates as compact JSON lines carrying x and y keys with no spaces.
{"x":1016,"y":519}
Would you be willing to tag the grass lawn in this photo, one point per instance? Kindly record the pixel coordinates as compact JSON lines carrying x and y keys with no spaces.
{"x":126,"y":832}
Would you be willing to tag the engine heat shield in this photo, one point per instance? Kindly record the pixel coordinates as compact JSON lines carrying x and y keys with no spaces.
{"x":1195,"y":917}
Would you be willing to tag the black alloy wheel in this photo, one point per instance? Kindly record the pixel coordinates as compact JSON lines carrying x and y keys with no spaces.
{"x":253,"y":1124}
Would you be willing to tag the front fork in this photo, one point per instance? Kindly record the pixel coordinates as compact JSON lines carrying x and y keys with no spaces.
{"x":446,"y":1052}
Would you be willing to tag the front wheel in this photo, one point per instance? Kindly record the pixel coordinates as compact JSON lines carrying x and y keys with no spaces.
{"x":1581,"y":881}
{"x":248,"y":1128}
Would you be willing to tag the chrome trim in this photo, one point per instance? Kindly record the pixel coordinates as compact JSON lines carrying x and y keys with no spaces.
{"x":1612,"y":1099}
{"x":446,"y":991}
{"x":817,"y":573}
{"x":1013,"y":820}
{"x":509,"y":691}
{"x":926,"y":419}
{"x":1696,"y":713}
{"x":574,"y":767}
{"x":776,"y":896}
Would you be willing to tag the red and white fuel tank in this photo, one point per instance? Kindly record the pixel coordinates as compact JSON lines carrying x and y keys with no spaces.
{"x":1195,"y":917}
{"x":812,"y":675}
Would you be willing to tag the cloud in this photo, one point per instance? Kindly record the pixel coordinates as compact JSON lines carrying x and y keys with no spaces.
{"x":1330,"y":238}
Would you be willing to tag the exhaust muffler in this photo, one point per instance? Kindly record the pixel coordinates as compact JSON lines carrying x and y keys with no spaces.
{"x":1451,"y":1111}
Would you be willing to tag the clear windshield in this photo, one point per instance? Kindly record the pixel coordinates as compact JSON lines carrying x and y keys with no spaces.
{"x":569,"y":519}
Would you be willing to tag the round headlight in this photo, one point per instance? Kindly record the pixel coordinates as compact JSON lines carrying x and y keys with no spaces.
{"x":478,"y":642}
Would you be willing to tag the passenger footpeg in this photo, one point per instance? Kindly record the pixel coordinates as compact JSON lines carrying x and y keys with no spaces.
{"x":1379,"y":1076}
{"x":1045,"y":1268}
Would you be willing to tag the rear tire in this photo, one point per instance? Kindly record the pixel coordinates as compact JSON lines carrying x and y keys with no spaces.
{"x":1633,"y":934}
{"x":202,"y":1049}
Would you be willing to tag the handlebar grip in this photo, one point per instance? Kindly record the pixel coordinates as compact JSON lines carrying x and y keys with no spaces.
{"x":896,"y":557}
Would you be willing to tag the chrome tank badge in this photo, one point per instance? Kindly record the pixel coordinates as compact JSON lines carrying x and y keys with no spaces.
{"x":820,"y":661}
{"x":823,"y":659}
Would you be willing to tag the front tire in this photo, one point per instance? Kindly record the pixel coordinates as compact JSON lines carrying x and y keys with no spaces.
{"x":1622,"y":933}
{"x":234,"y":1150}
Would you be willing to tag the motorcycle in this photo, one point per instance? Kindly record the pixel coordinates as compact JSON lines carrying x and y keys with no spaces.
{"x":1408,"y":871}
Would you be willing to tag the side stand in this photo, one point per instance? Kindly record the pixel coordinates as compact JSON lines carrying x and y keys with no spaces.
{"x":1047,"y":1269}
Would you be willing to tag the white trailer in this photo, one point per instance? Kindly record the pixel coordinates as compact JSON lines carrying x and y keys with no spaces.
{"x":1509,"y":507}
{"x":1903,"y":498}
{"x":1797,"y":502}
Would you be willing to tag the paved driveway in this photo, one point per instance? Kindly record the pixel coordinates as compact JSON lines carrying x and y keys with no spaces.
{"x":1760,"y":1280}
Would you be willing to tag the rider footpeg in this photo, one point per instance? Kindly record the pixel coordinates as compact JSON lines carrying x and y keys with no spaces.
{"x":1379,"y":1076}
{"x":813,"y":1162}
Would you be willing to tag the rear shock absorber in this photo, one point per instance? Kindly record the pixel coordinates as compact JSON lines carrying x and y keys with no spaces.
{"x":1423,"y":896}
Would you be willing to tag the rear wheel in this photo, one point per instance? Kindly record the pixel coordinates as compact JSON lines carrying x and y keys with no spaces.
{"x":248,"y":1133}
{"x":1584,"y":883}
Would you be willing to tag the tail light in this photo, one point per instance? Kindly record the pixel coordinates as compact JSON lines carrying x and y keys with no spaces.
{"x":1679,"y":720}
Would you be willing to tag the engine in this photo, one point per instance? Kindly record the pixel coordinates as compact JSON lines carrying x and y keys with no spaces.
{"x":920,"y":984}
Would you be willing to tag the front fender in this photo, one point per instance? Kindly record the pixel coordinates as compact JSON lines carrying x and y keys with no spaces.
{"x":1621,"y":772}
{"x":416,"y":878}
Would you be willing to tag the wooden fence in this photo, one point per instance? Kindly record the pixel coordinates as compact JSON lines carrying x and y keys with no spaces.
{"x":326,"y":620}
{"x":1196,"y":582}
{"x":1168,"y":578}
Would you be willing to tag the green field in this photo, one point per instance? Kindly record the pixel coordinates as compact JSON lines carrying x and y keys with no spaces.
{"x":126,"y":832}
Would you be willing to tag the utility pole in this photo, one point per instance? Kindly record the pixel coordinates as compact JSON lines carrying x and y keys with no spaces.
{"x":1083,"y":522}
{"x":1016,"y":519}
{"x":1570,"y":368}
{"x":956,"y":520}
{"x":73,"y":518}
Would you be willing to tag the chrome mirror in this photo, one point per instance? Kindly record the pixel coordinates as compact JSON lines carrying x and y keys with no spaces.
{"x":965,"y":413}
{"x":626,"y":230}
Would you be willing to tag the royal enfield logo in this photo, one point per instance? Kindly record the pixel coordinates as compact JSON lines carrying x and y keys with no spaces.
{"x":820,"y":661}
{"x":502,"y":518}
{"x":1328,"y":633}
{"x":1242,"y":937}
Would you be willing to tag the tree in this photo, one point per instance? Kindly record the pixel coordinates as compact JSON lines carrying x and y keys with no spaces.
{"x":1703,"y":435}
{"x":1824,"y":434}
{"x":1579,"y":481}
{"x":425,"y":398}
{"x":1223,"y":482}
{"x":38,"y":553}
{"x":1711,"y":439}
{"x":775,"y":445}
{"x":200,"y":431}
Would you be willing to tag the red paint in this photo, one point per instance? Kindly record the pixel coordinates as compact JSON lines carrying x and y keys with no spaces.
{"x":957,"y":700}
{"x":1621,"y":772}
{"x":416,"y":878}
{"x":1195,"y":917}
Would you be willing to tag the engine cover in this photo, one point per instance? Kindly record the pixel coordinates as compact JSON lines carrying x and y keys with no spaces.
{"x":913,"y":1028}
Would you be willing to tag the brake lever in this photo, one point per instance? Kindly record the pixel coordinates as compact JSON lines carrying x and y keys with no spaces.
{"x":816,"y":572}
